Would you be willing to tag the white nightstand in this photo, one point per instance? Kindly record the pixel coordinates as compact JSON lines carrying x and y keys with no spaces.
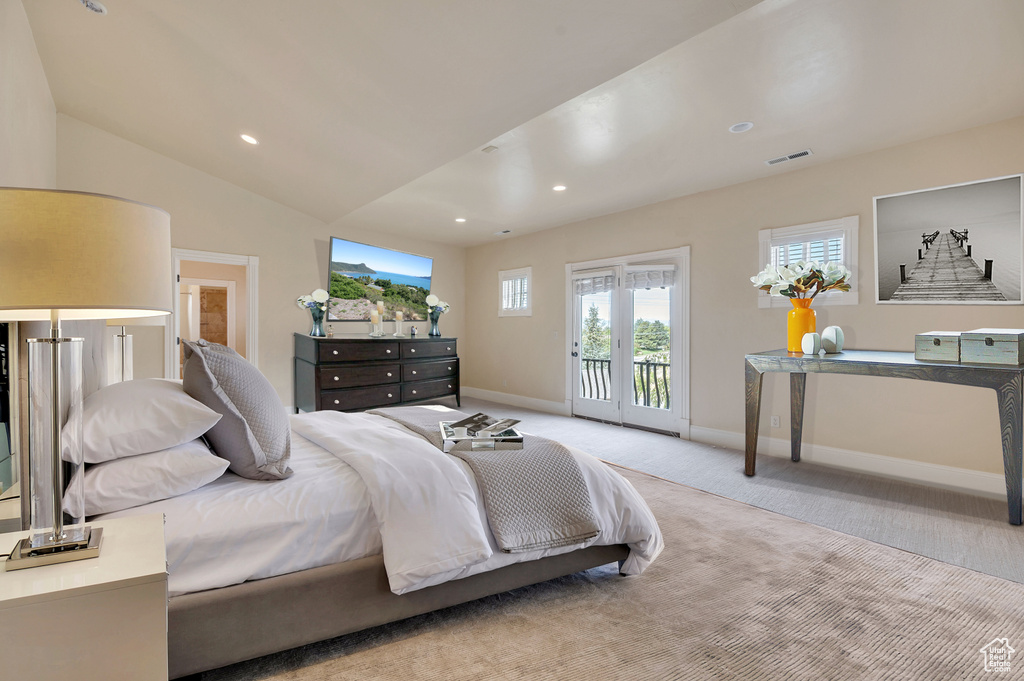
{"x":99,"y":619}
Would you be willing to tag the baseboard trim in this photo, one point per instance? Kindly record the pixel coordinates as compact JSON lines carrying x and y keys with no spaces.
{"x":534,"y":403}
{"x":947,"y":477}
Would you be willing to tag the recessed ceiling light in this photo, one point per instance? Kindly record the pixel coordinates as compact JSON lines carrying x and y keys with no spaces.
{"x":249,"y":138}
{"x":460,"y":219}
{"x":93,"y":6}
{"x":741,"y":127}
{"x":559,"y":187}
{"x":503,"y":232}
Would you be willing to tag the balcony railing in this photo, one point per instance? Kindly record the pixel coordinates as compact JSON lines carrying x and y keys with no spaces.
{"x":650,"y":382}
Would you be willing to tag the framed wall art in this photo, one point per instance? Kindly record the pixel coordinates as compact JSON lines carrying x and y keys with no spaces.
{"x":956,"y":245}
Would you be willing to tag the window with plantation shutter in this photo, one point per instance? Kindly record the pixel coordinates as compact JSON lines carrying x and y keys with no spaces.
{"x":516,"y":292}
{"x":828,"y":241}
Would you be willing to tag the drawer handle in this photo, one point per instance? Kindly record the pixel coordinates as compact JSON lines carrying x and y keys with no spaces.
{"x":936,"y":341}
{"x":449,"y":368}
{"x":413,"y":392}
{"x":389,"y":374}
{"x":989,"y":342}
{"x":412,"y":350}
{"x":337,"y":402}
{"x":389,"y":351}
{"x":448,"y":348}
{"x":449,"y":385}
{"x":414,"y":373}
{"x":389,"y":394}
{"x":335,"y":352}
{"x":336,"y":378}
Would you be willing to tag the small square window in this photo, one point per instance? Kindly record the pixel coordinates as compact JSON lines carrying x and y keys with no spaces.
{"x":516,"y":292}
{"x":828,"y":241}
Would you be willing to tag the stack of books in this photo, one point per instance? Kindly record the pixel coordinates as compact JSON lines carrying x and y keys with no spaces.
{"x":483,"y":430}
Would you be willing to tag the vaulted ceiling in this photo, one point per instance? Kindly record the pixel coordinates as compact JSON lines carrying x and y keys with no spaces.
{"x":377,"y":114}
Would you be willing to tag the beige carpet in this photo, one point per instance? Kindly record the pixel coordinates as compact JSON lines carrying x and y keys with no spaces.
{"x":739,"y":593}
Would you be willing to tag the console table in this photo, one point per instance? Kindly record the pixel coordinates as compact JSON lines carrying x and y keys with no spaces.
{"x":1007,"y":381}
{"x":353,"y":372}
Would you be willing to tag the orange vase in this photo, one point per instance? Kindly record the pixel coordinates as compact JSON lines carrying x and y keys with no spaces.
{"x":801,"y":321}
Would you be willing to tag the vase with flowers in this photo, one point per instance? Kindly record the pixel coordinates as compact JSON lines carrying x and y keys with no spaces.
{"x":435,"y":308}
{"x":801,"y":281}
{"x":316,"y":302}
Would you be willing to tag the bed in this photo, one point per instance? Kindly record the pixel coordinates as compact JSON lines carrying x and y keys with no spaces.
{"x":256,"y":566}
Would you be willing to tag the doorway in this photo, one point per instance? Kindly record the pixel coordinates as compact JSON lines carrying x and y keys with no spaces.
{"x":629,"y":340}
{"x":216,"y":299}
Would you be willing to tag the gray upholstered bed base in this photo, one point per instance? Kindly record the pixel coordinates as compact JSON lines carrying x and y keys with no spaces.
{"x":214,"y":628}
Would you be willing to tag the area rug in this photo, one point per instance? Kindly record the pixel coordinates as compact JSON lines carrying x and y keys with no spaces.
{"x":739,"y":593}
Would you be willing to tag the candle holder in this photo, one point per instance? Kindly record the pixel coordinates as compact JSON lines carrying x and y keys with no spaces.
{"x":376,"y":330}
{"x":399,"y":324}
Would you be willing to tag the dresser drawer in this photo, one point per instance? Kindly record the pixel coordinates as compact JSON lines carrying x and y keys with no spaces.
{"x":360,"y":398}
{"x":426,"y":389}
{"x":421,"y":349}
{"x":341,"y":351}
{"x":352,"y":376}
{"x":421,"y":371}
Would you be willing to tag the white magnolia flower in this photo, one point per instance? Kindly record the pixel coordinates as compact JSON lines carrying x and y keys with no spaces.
{"x":833,"y":272}
{"x":769,"y":276}
{"x":803,"y":278}
{"x":319,"y":295}
{"x":432,"y":300}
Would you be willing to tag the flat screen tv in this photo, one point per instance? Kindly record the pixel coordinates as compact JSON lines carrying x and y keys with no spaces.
{"x":360,"y":275}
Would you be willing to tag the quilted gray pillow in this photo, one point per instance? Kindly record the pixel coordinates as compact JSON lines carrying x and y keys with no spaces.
{"x":253,"y":433}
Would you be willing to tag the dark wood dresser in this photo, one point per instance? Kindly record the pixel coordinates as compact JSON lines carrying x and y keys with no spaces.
{"x":356,"y":372}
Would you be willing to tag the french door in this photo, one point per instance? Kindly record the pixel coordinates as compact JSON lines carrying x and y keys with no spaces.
{"x":628,"y":340}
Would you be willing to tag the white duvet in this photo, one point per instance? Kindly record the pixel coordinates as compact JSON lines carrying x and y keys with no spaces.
{"x":362,"y":485}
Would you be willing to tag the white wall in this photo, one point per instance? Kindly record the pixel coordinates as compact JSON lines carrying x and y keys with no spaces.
{"x":934,"y":424}
{"x":28,"y":136}
{"x":209,"y":214}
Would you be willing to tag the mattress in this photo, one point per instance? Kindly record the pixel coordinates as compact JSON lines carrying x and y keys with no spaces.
{"x":234,"y":530}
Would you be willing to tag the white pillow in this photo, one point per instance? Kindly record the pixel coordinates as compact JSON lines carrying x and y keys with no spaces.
{"x":141,"y":416}
{"x":136,"y":480}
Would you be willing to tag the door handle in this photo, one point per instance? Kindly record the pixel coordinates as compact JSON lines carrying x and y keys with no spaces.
{"x":575,"y":354}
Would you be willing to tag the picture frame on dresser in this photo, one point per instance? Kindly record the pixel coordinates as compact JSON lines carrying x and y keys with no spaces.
{"x":354,"y":373}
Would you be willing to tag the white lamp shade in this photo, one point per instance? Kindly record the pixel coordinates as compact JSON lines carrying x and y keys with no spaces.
{"x":85,"y":256}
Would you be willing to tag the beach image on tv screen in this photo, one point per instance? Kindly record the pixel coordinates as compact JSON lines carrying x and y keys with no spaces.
{"x":361,"y":275}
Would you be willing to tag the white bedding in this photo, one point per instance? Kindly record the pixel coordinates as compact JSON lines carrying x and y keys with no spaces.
{"x":234,"y":530}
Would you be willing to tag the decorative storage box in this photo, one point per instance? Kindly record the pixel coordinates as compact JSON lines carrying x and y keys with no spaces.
{"x":937,"y":346}
{"x":992,"y":346}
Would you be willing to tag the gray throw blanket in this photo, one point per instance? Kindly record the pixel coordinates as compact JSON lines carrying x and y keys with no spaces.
{"x":534,"y":497}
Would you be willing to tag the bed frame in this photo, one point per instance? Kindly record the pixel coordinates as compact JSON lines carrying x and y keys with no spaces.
{"x":214,"y":628}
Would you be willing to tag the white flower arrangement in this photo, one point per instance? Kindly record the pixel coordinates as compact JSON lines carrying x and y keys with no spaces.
{"x":434,"y":302}
{"x":802,"y":279}
{"x":318,"y":299}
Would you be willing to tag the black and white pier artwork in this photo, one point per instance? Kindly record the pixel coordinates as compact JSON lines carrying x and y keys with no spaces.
{"x":961,"y":244}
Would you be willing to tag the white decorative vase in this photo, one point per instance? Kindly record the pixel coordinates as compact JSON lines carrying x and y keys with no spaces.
{"x":832,"y":339}
{"x":810,"y":343}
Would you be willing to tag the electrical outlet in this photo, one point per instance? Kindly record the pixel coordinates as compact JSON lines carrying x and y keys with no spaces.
{"x":776,"y":422}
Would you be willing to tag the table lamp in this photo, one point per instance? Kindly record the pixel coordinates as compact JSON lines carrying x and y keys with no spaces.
{"x":120,"y":355}
{"x":70,"y":256}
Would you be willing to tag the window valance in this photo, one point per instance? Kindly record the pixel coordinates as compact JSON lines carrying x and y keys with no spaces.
{"x":650,"y":276}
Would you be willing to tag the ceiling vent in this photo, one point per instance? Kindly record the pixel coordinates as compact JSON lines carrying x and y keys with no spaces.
{"x":790,"y":157}
{"x":489,"y":148}
{"x":94,"y":6}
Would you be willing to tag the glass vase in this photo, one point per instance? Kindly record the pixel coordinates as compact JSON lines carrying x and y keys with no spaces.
{"x":434,"y":315}
{"x":318,"y":323}
{"x":801,"y":320}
